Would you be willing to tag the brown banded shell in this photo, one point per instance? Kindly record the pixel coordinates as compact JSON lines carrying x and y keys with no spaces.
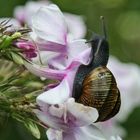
{"x":100,"y":91}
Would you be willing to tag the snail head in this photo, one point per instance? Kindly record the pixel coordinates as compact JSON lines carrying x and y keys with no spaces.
{"x":100,"y":48}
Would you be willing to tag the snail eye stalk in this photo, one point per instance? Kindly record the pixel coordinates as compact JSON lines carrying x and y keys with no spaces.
{"x":103,"y":27}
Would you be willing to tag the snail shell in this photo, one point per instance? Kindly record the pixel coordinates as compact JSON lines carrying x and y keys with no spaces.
{"x":100,"y":91}
{"x":95,"y":85}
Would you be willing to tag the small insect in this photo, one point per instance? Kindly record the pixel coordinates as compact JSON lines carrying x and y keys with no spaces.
{"x":95,"y":85}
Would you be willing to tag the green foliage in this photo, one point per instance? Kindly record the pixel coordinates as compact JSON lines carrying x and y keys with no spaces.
{"x":17,"y":97}
{"x":33,"y":128}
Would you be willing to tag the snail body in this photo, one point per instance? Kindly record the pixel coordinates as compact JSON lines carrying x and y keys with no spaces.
{"x":95,"y":85}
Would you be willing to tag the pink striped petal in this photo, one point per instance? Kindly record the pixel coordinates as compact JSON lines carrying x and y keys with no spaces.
{"x":67,"y":115}
{"x":44,"y":71}
{"x":44,"y":45}
{"x":78,"y":53}
{"x":60,"y":93}
{"x":51,"y":46}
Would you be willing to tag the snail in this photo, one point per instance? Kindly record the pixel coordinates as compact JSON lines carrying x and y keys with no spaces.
{"x":94,"y":84}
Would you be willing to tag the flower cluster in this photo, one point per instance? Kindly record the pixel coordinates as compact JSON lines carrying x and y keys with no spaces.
{"x":59,"y":112}
{"x":52,"y":49}
{"x":75,"y":23}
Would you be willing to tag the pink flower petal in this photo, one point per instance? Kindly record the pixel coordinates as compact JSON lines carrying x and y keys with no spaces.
{"x":60,"y":93}
{"x":50,"y":46}
{"x":28,"y":48}
{"x":78,"y":53}
{"x":44,"y":71}
{"x":20,"y":14}
{"x":44,"y":45}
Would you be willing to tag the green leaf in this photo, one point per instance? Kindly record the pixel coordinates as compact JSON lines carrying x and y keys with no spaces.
{"x":33,"y":128}
{"x":6,"y":41}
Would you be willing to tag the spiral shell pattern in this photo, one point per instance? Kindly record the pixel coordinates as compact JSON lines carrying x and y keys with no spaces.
{"x":100,"y":91}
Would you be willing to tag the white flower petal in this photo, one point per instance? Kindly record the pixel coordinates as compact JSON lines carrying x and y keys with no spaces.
{"x":115,"y":138}
{"x":54,"y":134}
{"x":79,"y":51}
{"x":81,"y":133}
{"x":57,"y":110}
{"x":56,"y":95}
{"x":60,"y":93}
{"x":113,"y":128}
{"x":49,"y":24}
{"x":76,"y":26}
{"x":89,"y":133}
{"x":43,"y":57}
{"x":25,"y":13}
{"x":127,"y":77}
{"x":50,"y":121}
{"x":83,"y":115}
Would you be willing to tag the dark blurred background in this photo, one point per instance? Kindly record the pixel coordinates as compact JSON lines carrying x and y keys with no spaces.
{"x":123,"y":29}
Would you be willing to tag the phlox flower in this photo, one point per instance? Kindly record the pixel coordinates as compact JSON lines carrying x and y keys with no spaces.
{"x":51,"y":35}
{"x":75,"y":23}
{"x":58,"y":111}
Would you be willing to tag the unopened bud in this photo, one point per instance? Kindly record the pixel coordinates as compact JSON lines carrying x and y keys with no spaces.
{"x":17,"y":58}
{"x":16,"y":35}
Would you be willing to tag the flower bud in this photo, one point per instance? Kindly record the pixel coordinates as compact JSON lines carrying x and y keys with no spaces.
{"x":28,"y":48}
